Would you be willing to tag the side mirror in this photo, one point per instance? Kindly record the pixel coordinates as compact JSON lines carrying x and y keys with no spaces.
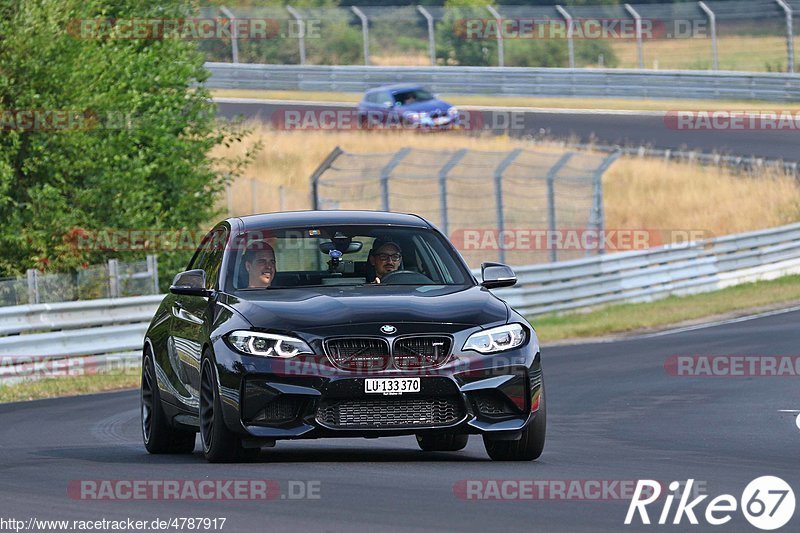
{"x":190,"y":283}
{"x":496,"y":275}
{"x":388,"y":105}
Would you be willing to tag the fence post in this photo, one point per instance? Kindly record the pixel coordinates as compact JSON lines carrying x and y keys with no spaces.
{"x":386,"y":172}
{"x":501,"y":54}
{"x":712,"y":22}
{"x":33,"y":286}
{"x":301,"y":42}
{"x":551,"y":199}
{"x":789,"y":34}
{"x":639,"y":45}
{"x":364,"y":32}
{"x":152,"y":268}
{"x":446,"y":168}
{"x":597,"y":218}
{"x":431,"y":36}
{"x":570,"y":34}
{"x":113,"y":278}
{"x":325,"y":165}
{"x":234,"y":33}
{"x":498,"y":193}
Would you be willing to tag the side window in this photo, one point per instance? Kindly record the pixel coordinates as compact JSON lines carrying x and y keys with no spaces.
{"x":371,"y":98}
{"x":385,"y":97}
{"x":209,"y":256}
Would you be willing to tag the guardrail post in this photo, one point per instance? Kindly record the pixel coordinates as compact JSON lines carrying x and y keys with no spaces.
{"x":152,"y":268}
{"x":113,"y":278}
{"x":501,"y":54}
{"x":570,"y":33}
{"x":325,"y":165}
{"x":364,"y":31}
{"x":431,"y":36}
{"x":33,"y":286}
{"x":234,"y":33}
{"x":386,"y":172}
{"x":446,"y":168}
{"x":597,"y":218}
{"x":789,"y":34}
{"x":551,"y":199}
{"x":498,"y":193}
{"x":712,"y":22}
{"x":639,"y":46}
{"x":302,"y":27}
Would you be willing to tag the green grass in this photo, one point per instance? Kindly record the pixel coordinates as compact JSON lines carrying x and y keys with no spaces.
{"x":673,"y":310}
{"x":68,"y":386}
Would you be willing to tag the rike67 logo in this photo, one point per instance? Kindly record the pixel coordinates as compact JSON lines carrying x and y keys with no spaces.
{"x":767,"y":503}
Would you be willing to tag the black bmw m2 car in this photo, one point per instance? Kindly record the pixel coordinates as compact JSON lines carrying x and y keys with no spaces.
{"x":338,"y":324}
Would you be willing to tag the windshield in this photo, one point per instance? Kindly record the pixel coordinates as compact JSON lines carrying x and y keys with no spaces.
{"x":412,"y":96}
{"x":322,"y":256}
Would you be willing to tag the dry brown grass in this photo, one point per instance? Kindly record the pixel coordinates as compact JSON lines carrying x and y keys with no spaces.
{"x":639,"y":192}
{"x":648,"y":193}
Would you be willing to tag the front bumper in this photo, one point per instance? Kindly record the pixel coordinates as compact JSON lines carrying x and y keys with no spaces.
{"x":307,"y":397}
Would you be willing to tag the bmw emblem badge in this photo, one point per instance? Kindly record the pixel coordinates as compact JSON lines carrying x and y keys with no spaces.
{"x":388,"y":329}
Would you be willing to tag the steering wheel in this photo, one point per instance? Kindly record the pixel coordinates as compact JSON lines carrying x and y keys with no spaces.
{"x":405,"y":277}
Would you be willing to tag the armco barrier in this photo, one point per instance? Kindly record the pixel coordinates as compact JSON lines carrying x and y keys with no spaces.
{"x":513,"y":81}
{"x":116,"y":326}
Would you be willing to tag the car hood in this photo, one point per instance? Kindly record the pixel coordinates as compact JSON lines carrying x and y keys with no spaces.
{"x":428,"y":106}
{"x":307,"y":309}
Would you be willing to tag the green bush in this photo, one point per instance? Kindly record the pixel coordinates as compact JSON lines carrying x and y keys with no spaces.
{"x":140,"y":156}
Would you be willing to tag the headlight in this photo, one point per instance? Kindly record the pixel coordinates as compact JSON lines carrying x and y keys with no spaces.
{"x":267,"y":344}
{"x":497,"y":339}
{"x":453,"y":112}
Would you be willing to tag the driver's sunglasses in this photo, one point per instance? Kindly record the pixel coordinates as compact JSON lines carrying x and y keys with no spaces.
{"x":386,"y":257}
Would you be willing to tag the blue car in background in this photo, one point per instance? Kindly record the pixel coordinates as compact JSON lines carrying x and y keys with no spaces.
{"x":406,"y":105}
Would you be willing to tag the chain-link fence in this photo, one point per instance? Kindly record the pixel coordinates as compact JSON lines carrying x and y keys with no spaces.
{"x":745,"y":35}
{"x":111,"y":280}
{"x":514,"y":207}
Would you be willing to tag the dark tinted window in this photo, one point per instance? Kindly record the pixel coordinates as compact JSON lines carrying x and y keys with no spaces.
{"x":209,"y":255}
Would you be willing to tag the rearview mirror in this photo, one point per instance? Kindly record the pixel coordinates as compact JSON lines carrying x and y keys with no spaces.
{"x":496,"y":275}
{"x":190,"y":283}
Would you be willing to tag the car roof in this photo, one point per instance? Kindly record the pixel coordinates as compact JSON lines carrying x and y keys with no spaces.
{"x":397,"y":87}
{"x":332,"y":217}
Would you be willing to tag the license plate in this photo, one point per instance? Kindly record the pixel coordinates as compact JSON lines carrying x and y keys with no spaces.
{"x":391,"y":386}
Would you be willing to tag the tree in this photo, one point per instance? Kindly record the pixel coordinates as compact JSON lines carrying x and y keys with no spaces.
{"x":131,"y":150}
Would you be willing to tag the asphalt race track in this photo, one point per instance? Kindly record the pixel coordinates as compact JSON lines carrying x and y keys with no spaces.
{"x":614,"y":413}
{"x":623,"y":128}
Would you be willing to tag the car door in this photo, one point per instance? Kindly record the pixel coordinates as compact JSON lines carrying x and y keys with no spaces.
{"x":191,"y":314}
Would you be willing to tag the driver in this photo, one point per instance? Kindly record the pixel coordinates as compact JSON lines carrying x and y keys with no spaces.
{"x":385,"y":258}
{"x":259,"y":261}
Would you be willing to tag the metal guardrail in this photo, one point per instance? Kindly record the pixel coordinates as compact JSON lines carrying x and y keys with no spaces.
{"x":107,"y":333}
{"x":514,"y":81}
{"x":656,"y":273}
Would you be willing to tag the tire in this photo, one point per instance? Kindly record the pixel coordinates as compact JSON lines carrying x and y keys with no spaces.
{"x":220,"y":445}
{"x":442,"y":443}
{"x":158,"y":435}
{"x":528,"y":448}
